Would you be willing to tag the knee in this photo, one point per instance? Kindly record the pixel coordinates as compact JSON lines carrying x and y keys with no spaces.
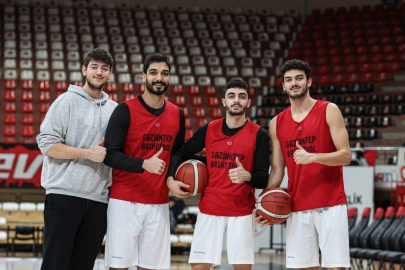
{"x":201,"y":266}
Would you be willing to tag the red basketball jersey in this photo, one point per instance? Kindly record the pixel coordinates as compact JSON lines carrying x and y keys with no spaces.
{"x":314,"y":185}
{"x":221,"y":197}
{"x":146,"y":135}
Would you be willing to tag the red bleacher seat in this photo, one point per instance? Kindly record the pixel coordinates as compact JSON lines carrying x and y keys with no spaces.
{"x":113,"y":96}
{"x":324,"y":80}
{"x":215,"y":113}
{"x":382,"y":77}
{"x":195,"y":101}
{"x":127,"y":88}
{"x":193,"y":90}
{"x":200,"y":122}
{"x":28,"y":140}
{"x":44,"y":96}
{"x":44,"y":107}
{"x":379,"y":67}
{"x":27,"y":119}
{"x":9,"y":131}
{"x":9,"y":95}
{"x":251,"y":92}
{"x":44,"y":86}
{"x":394,"y":67}
{"x":185,"y":110}
{"x":365,"y":67}
{"x":209,"y":90}
{"x":176,"y":89}
{"x":78,"y":84}
{"x":26,"y":96}
{"x":353,"y":78}
{"x":27,"y":85}
{"x":189,"y":133}
{"x":10,"y":84}
{"x":9,"y":118}
{"x":27,"y":107}
{"x":110,"y":87}
{"x":339,"y":79}
{"x":9,"y":140}
{"x":27,"y":131}
{"x":9,"y":107}
{"x":127,"y":97}
{"x":212,"y":101}
{"x":367,"y":78}
{"x":141,"y":88}
{"x":179,"y":100}
{"x":187,"y":123}
{"x":337,"y":69}
{"x":198,"y":112}
{"x":59,"y":86}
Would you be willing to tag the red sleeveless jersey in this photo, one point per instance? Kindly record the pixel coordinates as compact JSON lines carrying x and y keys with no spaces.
{"x":313,"y":185}
{"x":146,"y":135}
{"x":221,"y":197}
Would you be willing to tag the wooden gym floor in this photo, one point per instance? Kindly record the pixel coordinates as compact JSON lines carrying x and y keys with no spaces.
{"x":264,"y":261}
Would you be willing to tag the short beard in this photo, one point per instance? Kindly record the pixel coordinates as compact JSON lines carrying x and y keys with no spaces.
{"x":228,"y":110}
{"x":92,"y":86}
{"x":150,"y":89}
{"x":300,"y":95}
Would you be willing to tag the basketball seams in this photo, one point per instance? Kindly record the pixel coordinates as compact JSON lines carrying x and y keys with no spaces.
{"x":262,"y":199}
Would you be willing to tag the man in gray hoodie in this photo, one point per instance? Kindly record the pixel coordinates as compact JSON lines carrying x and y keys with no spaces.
{"x":73,"y":174}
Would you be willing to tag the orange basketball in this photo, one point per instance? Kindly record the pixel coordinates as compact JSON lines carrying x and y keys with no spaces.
{"x":275,"y":205}
{"x":194,"y":173}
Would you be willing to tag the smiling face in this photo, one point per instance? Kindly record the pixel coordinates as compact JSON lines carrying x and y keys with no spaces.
{"x":97,"y":74}
{"x":295,"y":83}
{"x":157,"y":78}
{"x":236,"y":101}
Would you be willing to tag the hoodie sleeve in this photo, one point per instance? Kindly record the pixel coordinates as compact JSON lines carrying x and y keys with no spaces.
{"x":54,"y":127}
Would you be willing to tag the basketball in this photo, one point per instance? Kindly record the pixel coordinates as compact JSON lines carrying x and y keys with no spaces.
{"x":275,"y":205}
{"x":194,"y":173}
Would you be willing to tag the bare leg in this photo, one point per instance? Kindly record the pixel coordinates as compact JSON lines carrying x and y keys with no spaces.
{"x":117,"y":268}
{"x":242,"y":267}
{"x":201,"y":266}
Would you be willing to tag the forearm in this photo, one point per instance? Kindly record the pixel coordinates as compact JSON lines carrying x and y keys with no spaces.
{"x":337,"y":158}
{"x":118,"y":160}
{"x":63,"y":151}
{"x":275,"y":177}
{"x":259,"y":180}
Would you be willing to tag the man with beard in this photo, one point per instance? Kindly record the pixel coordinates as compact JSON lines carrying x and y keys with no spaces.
{"x":73,"y":173}
{"x":310,"y":138}
{"x":238,"y":162}
{"x":141,"y":136}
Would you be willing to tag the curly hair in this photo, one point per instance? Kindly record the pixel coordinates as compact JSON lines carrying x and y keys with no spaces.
{"x":295,"y":64}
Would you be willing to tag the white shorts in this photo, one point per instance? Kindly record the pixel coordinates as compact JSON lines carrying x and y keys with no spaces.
{"x":323,"y":228}
{"x":209,"y":235}
{"x":137,"y":235}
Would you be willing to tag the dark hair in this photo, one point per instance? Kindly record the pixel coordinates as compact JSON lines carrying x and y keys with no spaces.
{"x":98,"y":54}
{"x":237,"y":83}
{"x":153,"y":58}
{"x":295,"y":64}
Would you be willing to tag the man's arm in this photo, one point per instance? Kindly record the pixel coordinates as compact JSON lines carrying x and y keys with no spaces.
{"x":51,"y":139}
{"x":277,"y":165}
{"x":338,"y":132}
{"x":194,"y":145}
{"x":115,"y":137}
{"x":260,"y":174}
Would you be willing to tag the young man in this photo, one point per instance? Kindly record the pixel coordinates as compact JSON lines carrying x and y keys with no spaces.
{"x":73,"y":173}
{"x":141,"y":136}
{"x":310,"y":138}
{"x":238,"y":162}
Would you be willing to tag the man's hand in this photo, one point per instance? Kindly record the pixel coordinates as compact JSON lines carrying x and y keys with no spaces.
{"x":259,"y":219}
{"x":301,"y":156}
{"x":239,"y":175}
{"x":175,"y":188}
{"x":97,"y":153}
{"x":154,"y":164}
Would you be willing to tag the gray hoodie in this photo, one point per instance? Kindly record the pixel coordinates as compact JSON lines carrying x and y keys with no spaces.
{"x":78,"y":120}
